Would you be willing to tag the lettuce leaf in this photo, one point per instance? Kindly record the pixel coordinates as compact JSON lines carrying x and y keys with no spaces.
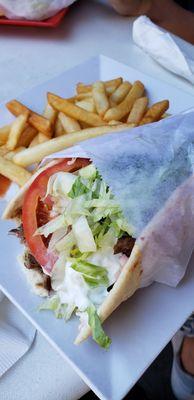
{"x":61,"y":311}
{"x":92,"y":274}
{"x":78,"y":188}
{"x":66,"y":243}
{"x":98,"y":333}
{"x":88,"y":172}
{"x":51,"y":226}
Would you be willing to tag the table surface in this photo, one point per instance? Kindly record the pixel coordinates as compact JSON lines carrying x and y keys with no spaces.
{"x":32,"y":55}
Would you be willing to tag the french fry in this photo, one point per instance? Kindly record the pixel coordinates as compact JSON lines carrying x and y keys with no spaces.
{"x":13,"y":172}
{"x":113,"y":123}
{"x":27,"y":136}
{"x":4,"y":133}
{"x":118,"y":112}
{"x":34,"y":142}
{"x":155,"y":112}
{"x":138,"y":110}
{"x":69,"y":124}
{"x":42,"y":137}
{"x":87,"y":104}
{"x":165,"y":115}
{"x":120,"y":93}
{"x":41,"y":123}
{"x":50,"y":113}
{"x":100,"y":98}
{"x":32,"y":155}
{"x":16,"y":130}
{"x":59,"y":130}
{"x":84,"y":125}
{"x":3,"y":150}
{"x":16,"y":108}
{"x":80,"y":96}
{"x":110,"y":85}
{"x":11,"y":154}
{"x":74,"y":111}
{"x":37,"y":121}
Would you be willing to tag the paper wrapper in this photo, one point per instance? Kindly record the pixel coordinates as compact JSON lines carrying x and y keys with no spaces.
{"x":32,"y":9}
{"x":168,"y":50}
{"x":150,"y":171}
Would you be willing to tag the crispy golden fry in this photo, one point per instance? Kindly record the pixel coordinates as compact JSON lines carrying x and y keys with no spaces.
{"x":27,"y":135}
{"x":16,"y":130}
{"x":42,"y":138}
{"x":3,"y":150}
{"x":80,"y":96}
{"x":4,"y":133}
{"x":69,"y":124}
{"x":110,"y":86}
{"x":37,"y":121}
{"x":73,"y":111}
{"x":84,"y":125}
{"x":32,"y":155}
{"x":165,"y":115}
{"x":122,"y":109}
{"x":155,"y":112}
{"x":16,"y":108}
{"x":113,"y":123}
{"x":13,"y":172}
{"x":35,"y":141}
{"x":59,"y":130}
{"x":138,"y":110}
{"x":120,"y":93}
{"x":100,"y":98}
{"x":50,"y":113}
{"x":41,"y":124}
{"x":11,"y":154}
{"x":87,"y":104}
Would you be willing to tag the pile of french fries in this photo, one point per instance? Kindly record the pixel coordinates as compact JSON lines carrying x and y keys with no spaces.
{"x":95,"y":110}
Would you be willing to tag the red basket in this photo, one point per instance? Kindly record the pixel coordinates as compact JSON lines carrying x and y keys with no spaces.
{"x":51,"y":22}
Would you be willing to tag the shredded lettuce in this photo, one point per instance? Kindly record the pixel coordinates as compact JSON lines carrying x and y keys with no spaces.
{"x":61,"y":311}
{"x":98,"y":333}
{"x":94,"y":275}
{"x":105,"y":240}
{"x":60,"y":183}
{"x":56,"y":237}
{"x":83,"y":235}
{"x":78,"y":188}
{"x":53,"y":304}
{"x":66,"y":243}
{"x":88,"y":172}
{"x":51,"y":226}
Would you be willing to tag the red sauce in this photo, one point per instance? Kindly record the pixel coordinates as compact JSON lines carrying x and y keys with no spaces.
{"x":4,"y":185}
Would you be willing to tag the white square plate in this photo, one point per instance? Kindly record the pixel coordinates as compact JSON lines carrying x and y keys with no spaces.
{"x":143,"y":325}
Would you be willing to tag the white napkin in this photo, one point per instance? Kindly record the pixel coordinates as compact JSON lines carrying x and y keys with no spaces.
{"x":16,"y":335}
{"x":33,"y":9}
{"x":42,"y":374}
{"x":165,"y":48}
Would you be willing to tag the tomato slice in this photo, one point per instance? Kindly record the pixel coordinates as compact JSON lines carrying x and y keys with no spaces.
{"x":34,"y":195}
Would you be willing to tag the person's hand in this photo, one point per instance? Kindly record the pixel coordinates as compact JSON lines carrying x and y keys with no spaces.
{"x":131,"y":7}
{"x":187,"y":355}
{"x":167,"y":14}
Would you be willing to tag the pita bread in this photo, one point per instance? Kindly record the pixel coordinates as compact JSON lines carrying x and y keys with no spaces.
{"x":127,"y":283}
{"x":125,"y":286}
{"x":10,"y":211}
